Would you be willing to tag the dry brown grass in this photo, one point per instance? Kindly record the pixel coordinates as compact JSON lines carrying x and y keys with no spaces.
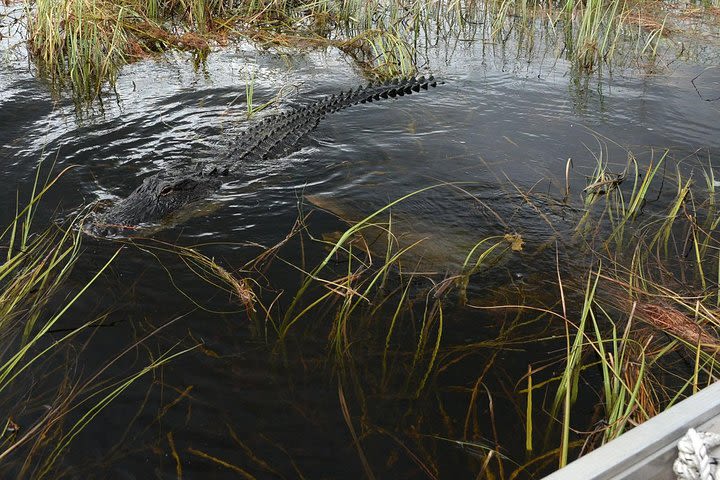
{"x":649,"y":22}
{"x":671,"y":320}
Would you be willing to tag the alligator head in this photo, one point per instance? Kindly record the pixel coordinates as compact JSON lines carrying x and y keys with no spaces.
{"x":159,"y":197}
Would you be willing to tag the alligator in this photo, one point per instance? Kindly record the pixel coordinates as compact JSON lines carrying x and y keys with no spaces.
{"x":164,"y":194}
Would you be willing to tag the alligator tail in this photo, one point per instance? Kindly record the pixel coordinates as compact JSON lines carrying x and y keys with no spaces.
{"x":277,"y":135}
{"x":375,"y":91}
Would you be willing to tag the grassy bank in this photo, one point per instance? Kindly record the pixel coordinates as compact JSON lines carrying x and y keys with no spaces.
{"x":82,"y":44}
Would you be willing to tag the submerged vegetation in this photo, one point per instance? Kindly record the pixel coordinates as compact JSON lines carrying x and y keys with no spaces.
{"x":629,"y":323}
{"x":83,"y":43}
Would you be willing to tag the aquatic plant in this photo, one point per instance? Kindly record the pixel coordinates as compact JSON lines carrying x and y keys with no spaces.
{"x":79,"y":42}
{"x":83,"y":43}
{"x":631,"y":334}
{"x":647,"y":302}
{"x":45,"y":405}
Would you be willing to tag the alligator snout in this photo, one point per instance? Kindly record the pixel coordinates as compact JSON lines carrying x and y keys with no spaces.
{"x":95,"y":228}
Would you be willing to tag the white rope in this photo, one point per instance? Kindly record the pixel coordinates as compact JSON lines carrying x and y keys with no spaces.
{"x":694,"y":461}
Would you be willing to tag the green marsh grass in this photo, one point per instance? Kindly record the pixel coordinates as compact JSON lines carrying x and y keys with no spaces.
{"x":35,"y":266}
{"x":45,"y":405}
{"x":648,"y":305}
{"x":81,"y":43}
{"x":627,"y":322}
{"x":84,"y":43}
{"x":649,"y":300}
{"x":357,"y":288}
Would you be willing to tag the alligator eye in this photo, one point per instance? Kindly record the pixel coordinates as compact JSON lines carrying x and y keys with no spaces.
{"x":166,"y":190}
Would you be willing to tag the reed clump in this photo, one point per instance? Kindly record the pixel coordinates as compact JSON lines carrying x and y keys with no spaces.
{"x":83,"y":43}
{"x":650,"y":297}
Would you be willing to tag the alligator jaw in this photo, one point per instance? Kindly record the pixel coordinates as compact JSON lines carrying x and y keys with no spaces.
{"x":94,"y":226}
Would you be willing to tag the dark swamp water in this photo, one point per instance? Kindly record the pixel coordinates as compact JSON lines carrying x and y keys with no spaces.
{"x":495,"y":128}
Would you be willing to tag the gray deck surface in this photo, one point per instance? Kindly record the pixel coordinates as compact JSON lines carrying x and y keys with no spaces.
{"x":648,"y":450}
